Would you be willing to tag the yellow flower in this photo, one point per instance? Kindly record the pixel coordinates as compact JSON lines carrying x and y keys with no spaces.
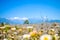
{"x":40,"y":32}
{"x":26,"y":36}
{"x":46,"y":37}
{"x":20,"y":30}
{"x":33,"y":34}
{"x":13,"y":28}
{"x":2,"y":28}
{"x":4,"y":32}
{"x":31,"y":27}
{"x":51,"y":32}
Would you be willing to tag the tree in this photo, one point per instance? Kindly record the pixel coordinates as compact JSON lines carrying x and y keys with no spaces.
{"x":26,"y":22}
{"x":2,"y":24}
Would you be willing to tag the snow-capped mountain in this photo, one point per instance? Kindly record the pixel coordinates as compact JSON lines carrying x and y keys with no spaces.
{"x":31,"y":20}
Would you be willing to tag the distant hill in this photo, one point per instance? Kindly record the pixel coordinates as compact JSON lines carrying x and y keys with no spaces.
{"x":55,"y":21}
{"x":32,"y":21}
{"x":4,"y":20}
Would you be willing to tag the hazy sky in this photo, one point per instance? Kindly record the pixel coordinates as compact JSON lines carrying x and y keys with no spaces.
{"x":30,"y":8}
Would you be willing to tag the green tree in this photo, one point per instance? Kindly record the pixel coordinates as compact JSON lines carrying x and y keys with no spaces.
{"x":26,"y":22}
{"x":2,"y":24}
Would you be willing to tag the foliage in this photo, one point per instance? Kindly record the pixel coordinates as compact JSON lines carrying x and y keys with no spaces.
{"x":53,"y":38}
{"x":2,"y":24}
{"x":58,"y":33}
{"x":26,"y":22}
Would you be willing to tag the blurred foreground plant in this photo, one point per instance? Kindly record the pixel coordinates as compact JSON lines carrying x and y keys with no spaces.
{"x":59,"y":34}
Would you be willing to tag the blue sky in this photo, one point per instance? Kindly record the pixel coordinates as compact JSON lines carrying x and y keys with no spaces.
{"x":30,"y":8}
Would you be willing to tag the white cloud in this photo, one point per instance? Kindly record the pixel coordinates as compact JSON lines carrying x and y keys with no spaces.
{"x":24,"y":18}
{"x":18,"y":18}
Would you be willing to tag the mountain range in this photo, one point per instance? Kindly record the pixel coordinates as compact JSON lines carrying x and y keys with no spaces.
{"x":31,"y":20}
